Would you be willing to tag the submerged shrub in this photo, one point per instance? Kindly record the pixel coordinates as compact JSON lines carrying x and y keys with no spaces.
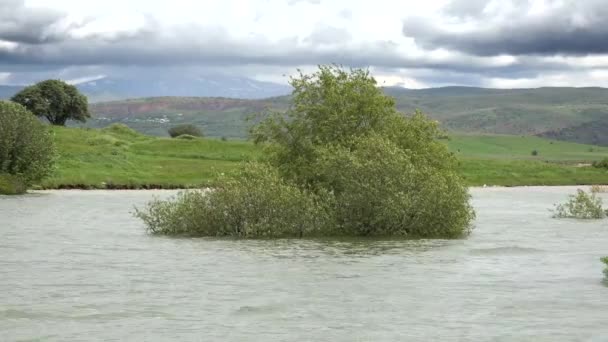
{"x":381,"y":189}
{"x":599,"y":188}
{"x":185,"y":129}
{"x":583,"y":205}
{"x":254,"y":203}
{"x":341,"y":160}
{"x":26,"y":146}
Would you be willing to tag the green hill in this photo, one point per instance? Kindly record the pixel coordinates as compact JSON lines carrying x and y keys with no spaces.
{"x":118,"y":157}
{"x":548,"y":112}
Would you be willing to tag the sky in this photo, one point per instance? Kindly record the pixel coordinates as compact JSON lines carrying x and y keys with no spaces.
{"x":410,"y":43}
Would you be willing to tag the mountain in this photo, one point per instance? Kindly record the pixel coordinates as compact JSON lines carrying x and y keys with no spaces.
{"x":117,"y":88}
{"x":542,"y":111}
{"x":138,"y":85}
{"x":593,"y":132}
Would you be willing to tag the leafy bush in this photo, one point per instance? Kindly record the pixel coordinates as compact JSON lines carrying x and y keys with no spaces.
{"x":26,"y":145}
{"x":534,"y":153}
{"x":602,"y":164}
{"x":255,"y":203}
{"x":583,"y":205}
{"x":11,"y":185}
{"x":343,"y":161}
{"x":185,"y":129}
{"x":381,"y":190}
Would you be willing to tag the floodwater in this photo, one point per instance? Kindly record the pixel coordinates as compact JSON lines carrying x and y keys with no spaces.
{"x":76,"y":266}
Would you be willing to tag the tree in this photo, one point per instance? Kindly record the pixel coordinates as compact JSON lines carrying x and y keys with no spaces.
{"x":55,"y":100}
{"x":26,"y":146}
{"x":364,"y":167}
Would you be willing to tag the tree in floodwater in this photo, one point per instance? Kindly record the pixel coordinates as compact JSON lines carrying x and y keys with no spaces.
{"x":367,"y":169}
{"x":54,"y":100}
{"x":582,"y":205}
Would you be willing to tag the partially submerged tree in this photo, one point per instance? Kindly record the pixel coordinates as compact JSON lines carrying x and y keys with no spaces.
{"x":54,"y":100}
{"x":26,"y":146}
{"x":582,"y":205}
{"x":369,"y":169}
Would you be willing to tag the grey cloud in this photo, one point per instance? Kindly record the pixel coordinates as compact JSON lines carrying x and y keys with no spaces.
{"x":20,"y":24}
{"x":191,"y":46}
{"x":568,"y":27}
{"x":156,"y":47}
{"x":465,"y":8}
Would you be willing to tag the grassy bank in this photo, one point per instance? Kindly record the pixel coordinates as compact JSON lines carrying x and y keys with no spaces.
{"x":117,"y":157}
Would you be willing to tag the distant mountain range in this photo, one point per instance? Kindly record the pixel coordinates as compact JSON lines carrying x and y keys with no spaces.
{"x":220,"y":106}
{"x":128,"y":87}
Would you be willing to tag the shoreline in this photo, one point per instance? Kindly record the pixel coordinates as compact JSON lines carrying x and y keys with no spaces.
{"x":493,"y":187}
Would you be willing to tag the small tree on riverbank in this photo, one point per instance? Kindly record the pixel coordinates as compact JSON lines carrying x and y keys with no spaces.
{"x":26,"y":146}
{"x":362,"y":165}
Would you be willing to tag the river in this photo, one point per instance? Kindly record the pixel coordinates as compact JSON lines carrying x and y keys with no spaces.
{"x":76,"y":266}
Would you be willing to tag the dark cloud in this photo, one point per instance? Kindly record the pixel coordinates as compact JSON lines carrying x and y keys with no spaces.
{"x":215,"y":47}
{"x":569,"y":27}
{"x":44,"y":43}
{"x":21,"y":24}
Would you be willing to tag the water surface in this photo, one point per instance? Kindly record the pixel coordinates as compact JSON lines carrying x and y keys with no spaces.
{"x":75,"y":265}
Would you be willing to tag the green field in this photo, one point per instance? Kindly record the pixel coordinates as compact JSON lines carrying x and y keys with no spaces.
{"x":520,"y":147}
{"x":118,"y":157}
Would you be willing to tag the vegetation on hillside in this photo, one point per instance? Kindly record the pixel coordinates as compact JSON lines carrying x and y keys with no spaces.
{"x":343,"y":161}
{"x":459,"y":109}
{"x":26,"y":148}
{"x":54,"y":100}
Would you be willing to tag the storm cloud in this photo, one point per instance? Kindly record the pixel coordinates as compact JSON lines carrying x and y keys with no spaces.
{"x":464,"y":42}
{"x":490,"y":28}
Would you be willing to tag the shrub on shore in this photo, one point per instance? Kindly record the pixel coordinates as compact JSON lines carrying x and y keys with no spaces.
{"x":26,"y":146}
{"x":582,"y":205}
{"x":341,"y":160}
{"x":185,"y":130}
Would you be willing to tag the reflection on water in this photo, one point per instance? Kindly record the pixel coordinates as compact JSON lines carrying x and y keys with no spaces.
{"x":77,"y":266}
